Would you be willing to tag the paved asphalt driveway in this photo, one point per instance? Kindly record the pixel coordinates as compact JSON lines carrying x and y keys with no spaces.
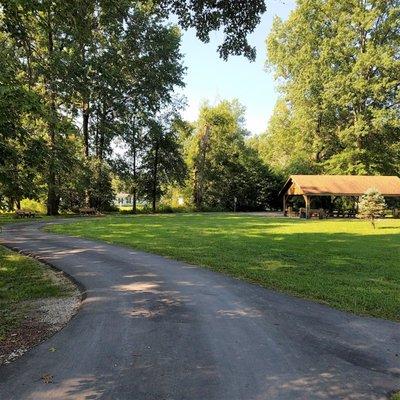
{"x":155,"y":329}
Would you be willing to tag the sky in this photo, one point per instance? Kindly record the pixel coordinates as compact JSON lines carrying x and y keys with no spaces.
{"x":210,"y":78}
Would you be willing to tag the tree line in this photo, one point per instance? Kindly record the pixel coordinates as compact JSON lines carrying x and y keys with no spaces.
{"x":209,"y":163}
{"x":337,"y":63}
{"x":78,"y":75}
{"x":88,"y":101}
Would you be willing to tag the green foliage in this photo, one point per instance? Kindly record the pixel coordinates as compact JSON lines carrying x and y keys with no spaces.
{"x":33,"y":205}
{"x":162,"y":164}
{"x":99,"y":189}
{"x":226,"y":173}
{"x":372,"y":205}
{"x":93,"y":72}
{"x":337,"y":63}
{"x":69,"y":69}
{"x":285,"y":147}
{"x":351,"y":266}
{"x":236,"y":19}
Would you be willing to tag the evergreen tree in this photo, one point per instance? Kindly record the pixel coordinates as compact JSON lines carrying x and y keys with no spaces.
{"x":372,"y":205}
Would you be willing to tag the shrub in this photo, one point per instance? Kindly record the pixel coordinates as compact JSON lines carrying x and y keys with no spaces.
{"x":33,"y":205}
{"x":372,"y":205}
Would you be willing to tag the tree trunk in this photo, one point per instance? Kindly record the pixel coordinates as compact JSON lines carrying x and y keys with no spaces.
{"x":100,"y":134}
{"x":85,"y":105}
{"x":52,"y":195}
{"x":53,"y":200}
{"x":155,"y":178}
{"x":85,"y":131}
{"x":134,"y":189}
{"x":199,"y":172}
{"x":85,"y":127}
{"x":10,"y":204}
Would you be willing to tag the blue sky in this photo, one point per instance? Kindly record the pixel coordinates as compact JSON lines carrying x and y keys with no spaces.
{"x":210,"y":78}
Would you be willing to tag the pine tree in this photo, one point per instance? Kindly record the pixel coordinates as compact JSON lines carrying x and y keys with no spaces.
{"x":372,"y":205}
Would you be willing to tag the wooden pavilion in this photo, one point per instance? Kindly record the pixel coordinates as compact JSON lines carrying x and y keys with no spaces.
{"x":311,"y":186}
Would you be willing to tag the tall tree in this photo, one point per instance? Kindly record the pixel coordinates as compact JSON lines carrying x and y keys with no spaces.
{"x":225,"y":172}
{"x":284,"y":146}
{"x":162,"y":163}
{"x":35,"y":29}
{"x":338,"y":62}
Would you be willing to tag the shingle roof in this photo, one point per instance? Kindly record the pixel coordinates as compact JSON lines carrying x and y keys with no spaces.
{"x":350,"y":185}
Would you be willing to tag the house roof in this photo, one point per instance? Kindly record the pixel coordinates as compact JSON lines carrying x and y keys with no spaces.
{"x":344,"y":185}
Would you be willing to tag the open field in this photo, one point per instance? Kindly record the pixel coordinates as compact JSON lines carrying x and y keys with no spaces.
{"x":344,"y":263}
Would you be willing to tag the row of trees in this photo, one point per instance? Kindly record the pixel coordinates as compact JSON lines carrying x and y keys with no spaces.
{"x":78,"y":75}
{"x":75,"y":76}
{"x":337,"y":63}
{"x":208,"y":163}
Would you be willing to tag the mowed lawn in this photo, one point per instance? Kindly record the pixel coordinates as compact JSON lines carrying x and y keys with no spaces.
{"x":344,"y":263}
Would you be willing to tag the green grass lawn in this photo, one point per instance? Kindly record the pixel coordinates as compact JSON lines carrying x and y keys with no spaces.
{"x":9,"y":218}
{"x":22,"y":279}
{"x":344,"y":263}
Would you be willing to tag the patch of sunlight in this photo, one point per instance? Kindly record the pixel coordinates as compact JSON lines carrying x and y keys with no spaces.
{"x":272,"y":265}
{"x":143,"y":287}
{"x":340,"y":262}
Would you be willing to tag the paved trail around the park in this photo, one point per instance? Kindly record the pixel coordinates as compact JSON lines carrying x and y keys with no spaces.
{"x":151,"y":328}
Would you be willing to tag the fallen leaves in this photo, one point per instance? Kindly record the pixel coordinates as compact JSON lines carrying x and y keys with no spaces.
{"x":47,"y":378}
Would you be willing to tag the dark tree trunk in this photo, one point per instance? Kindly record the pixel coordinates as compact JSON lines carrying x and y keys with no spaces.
{"x":53,"y":200}
{"x":85,"y":127}
{"x":18,"y":203}
{"x":101,"y":146}
{"x":155,"y":178}
{"x":199,"y":172}
{"x":10,"y":204}
{"x":134,"y":189}
{"x":101,"y":134}
{"x":85,"y":106}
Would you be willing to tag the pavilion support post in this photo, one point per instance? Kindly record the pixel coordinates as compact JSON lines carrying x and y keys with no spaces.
{"x":307,"y":201}
{"x":284,"y":205}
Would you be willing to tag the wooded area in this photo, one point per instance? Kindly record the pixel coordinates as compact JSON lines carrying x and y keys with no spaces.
{"x":337,"y":65}
{"x":89,"y":102}
{"x":80,"y":77}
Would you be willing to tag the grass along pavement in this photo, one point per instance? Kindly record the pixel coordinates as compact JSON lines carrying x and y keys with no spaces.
{"x":343,"y":263}
{"x":24,"y":280}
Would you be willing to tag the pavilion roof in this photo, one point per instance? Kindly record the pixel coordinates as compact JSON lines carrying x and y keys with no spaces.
{"x":343,"y":185}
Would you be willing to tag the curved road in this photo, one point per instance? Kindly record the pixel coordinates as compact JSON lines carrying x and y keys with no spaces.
{"x":155,"y":329}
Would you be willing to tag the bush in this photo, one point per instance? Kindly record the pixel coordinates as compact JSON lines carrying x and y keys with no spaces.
{"x":33,"y":205}
{"x":372,"y":205}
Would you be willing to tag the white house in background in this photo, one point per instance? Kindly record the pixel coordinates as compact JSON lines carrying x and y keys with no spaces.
{"x":126,"y":199}
{"x":123,"y":199}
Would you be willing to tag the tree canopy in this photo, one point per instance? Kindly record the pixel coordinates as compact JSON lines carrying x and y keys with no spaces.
{"x":77,"y":76}
{"x":337,"y":63}
{"x":225,"y":172}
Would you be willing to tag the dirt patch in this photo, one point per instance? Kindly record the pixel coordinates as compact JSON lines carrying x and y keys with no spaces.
{"x":41,"y":318}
